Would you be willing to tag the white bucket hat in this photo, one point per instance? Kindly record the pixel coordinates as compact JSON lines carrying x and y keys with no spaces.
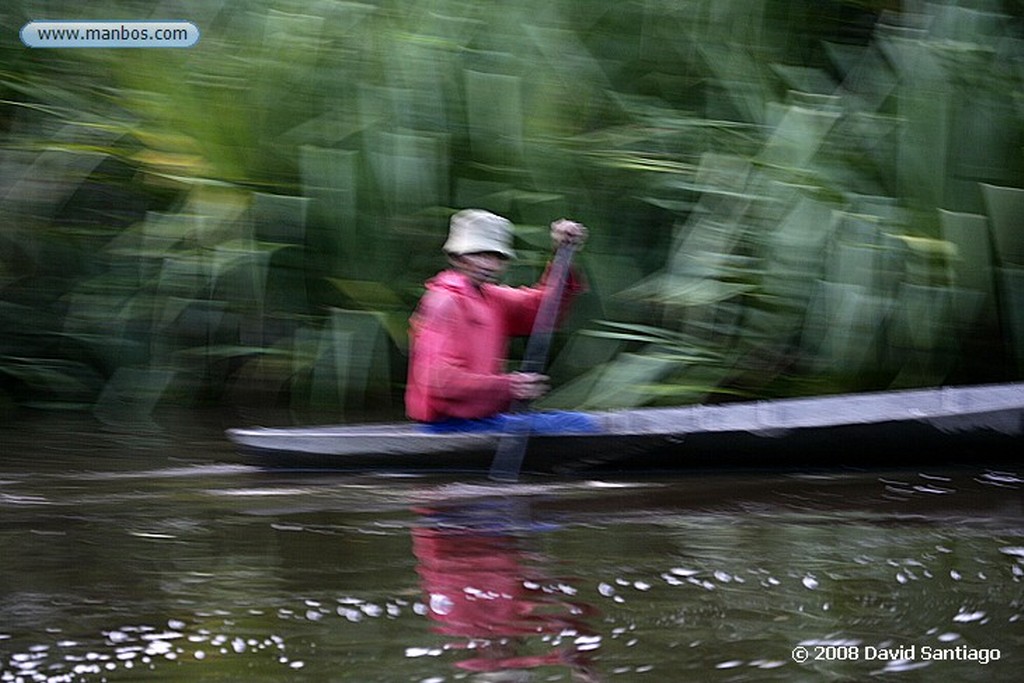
{"x":473,"y":231}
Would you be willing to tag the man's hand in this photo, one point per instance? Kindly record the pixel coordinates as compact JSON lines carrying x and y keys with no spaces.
{"x":564,"y":231}
{"x":527,"y":386}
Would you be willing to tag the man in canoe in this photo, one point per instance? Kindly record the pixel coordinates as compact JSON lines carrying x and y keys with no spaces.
{"x":459,"y":334}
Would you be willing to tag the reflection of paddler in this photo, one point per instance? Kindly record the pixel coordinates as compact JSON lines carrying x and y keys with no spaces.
{"x":474,"y":583}
{"x":478,"y":583}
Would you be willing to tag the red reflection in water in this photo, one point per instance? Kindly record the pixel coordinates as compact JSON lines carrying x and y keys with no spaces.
{"x":483,"y":584}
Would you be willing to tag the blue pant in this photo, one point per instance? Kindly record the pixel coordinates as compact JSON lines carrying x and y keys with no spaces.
{"x":549,"y":422}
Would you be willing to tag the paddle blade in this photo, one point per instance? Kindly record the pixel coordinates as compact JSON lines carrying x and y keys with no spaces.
{"x":508,"y":459}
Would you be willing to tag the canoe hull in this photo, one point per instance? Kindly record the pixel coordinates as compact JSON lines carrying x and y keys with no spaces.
{"x":963,"y":425}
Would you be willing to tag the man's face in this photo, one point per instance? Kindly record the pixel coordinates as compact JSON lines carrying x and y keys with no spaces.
{"x":483,"y":267}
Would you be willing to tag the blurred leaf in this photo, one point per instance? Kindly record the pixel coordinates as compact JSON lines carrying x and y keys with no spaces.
{"x":1005,"y":207}
{"x":54,"y":377}
{"x":368,"y":293}
{"x":682,"y":291}
{"x":229,"y":351}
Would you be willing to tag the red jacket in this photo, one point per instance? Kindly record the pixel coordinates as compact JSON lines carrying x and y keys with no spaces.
{"x":458,"y":344}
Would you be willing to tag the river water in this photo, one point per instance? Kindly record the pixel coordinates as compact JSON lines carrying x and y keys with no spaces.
{"x":127,"y":557}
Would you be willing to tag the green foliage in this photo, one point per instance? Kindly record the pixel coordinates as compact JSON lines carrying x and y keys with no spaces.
{"x":784,"y":197}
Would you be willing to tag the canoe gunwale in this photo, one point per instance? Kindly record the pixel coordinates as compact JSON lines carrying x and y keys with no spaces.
{"x":992,"y":413}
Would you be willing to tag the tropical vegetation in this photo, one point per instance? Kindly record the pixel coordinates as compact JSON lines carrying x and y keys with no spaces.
{"x":785,"y":197}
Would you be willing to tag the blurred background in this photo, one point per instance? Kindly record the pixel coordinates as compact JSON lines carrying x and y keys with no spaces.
{"x":785,"y":197}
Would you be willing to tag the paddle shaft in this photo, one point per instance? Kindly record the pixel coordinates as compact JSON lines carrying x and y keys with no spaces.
{"x":509,"y":457}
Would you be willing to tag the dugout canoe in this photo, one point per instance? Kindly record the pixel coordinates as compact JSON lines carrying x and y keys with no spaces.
{"x":972,"y":425}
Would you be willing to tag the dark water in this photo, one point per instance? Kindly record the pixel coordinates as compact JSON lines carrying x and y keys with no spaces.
{"x":128,"y":558}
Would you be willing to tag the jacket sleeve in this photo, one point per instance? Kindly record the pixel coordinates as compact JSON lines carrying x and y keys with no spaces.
{"x":441,"y":368}
{"x":521,"y":304}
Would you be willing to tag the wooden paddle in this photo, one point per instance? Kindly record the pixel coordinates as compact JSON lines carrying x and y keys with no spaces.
{"x":512,"y":447}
